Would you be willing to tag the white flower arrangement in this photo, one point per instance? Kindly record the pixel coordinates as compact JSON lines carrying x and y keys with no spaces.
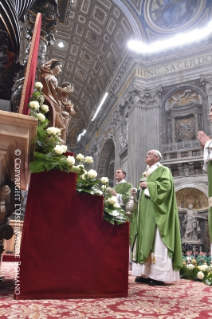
{"x":190,"y":266}
{"x":115,"y":213}
{"x":34,"y":105}
{"x":88,"y":159}
{"x":104,"y":180}
{"x":200,"y":275}
{"x":92,"y":173}
{"x":112,"y":200}
{"x":83,"y":176}
{"x":71,"y":160}
{"x":53,"y":131}
{"x":80,"y":157}
{"x":40,"y":117}
{"x":38,"y":85}
{"x":60,"y":149}
{"x":203,"y":267}
{"x":44,"y":108}
{"x":79,"y":168}
{"x":49,"y":155}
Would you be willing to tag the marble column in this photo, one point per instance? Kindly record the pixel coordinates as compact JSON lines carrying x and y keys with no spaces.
{"x":143,"y":131}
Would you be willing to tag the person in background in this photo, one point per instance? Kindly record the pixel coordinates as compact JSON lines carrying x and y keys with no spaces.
{"x":206,"y":143}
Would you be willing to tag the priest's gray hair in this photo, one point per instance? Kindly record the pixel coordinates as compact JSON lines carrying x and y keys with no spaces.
{"x":157,"y":153}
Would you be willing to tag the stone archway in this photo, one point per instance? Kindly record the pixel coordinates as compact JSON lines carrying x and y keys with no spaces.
{"x":106,"y":161}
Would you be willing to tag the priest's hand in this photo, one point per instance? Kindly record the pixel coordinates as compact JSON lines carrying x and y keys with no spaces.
{"x":203,"y":138}
{"x":133,"y":191}
{"x":143,"y":185}
{"x":112,"y":191}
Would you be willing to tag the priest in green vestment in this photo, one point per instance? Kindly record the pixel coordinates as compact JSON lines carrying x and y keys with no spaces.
{"x":206,"y":143}
{"x":122,"y":190}
{"x":156,"y":251}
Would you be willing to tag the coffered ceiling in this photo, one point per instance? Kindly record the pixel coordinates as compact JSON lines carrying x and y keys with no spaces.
{"x":93,"y":44}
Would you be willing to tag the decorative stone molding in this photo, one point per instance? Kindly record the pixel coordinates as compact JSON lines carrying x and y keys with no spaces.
{"x":147,"y":97}
{"x":207,"y":81}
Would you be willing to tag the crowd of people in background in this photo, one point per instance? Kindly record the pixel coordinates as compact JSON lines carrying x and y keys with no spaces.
{"x":194,"y":255}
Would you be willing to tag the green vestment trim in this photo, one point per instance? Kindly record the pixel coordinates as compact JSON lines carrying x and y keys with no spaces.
{"x":158,"y":210}
{"x":209,"y":169}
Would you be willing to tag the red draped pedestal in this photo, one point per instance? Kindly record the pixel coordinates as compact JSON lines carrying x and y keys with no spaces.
{"x":67,"y":249}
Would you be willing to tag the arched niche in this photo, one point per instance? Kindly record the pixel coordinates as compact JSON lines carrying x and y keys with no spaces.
{"x":183,"y":115}
{"x":106,"y":161}
{"x":191,"y":195}
{"x":196,"y":196}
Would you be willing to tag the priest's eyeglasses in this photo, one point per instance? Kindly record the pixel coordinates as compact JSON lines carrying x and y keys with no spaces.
{"x":150,"y":154}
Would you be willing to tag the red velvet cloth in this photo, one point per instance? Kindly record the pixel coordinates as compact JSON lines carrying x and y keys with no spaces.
{"x":10,"y":258}
{"x":29,"y":79}
{"x":67,"y":249}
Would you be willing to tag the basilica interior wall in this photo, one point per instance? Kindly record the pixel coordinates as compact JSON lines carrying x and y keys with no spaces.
{"x":163,"y":112}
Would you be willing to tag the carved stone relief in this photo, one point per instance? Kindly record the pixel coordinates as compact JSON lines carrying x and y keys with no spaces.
{"x":193,"y":209}
{"x":183,"y":116}
{"x":183,"y":97}
{"x":185,"y":129}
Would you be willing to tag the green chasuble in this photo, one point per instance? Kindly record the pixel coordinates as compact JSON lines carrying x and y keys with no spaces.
{"x":209,"y":169}
{"x":158,"y":210}
{"x":124,"y":190}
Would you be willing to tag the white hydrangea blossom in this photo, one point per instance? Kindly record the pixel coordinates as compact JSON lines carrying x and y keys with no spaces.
{"x":38,"y":85}
{"x":44,"y":108}
{"x":71,"y":160}
{"x":104,"y":180}
{"x":80,"y":157}
{"x":200,"y":275}
{"x":190,"y":266}
{"x":34,"y":105}
{"x":203,"y":267}
{"x":92,"y":173}
{"x":53,"y":131}
{"x":41,"y":117}
{"x":88,"y":159}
